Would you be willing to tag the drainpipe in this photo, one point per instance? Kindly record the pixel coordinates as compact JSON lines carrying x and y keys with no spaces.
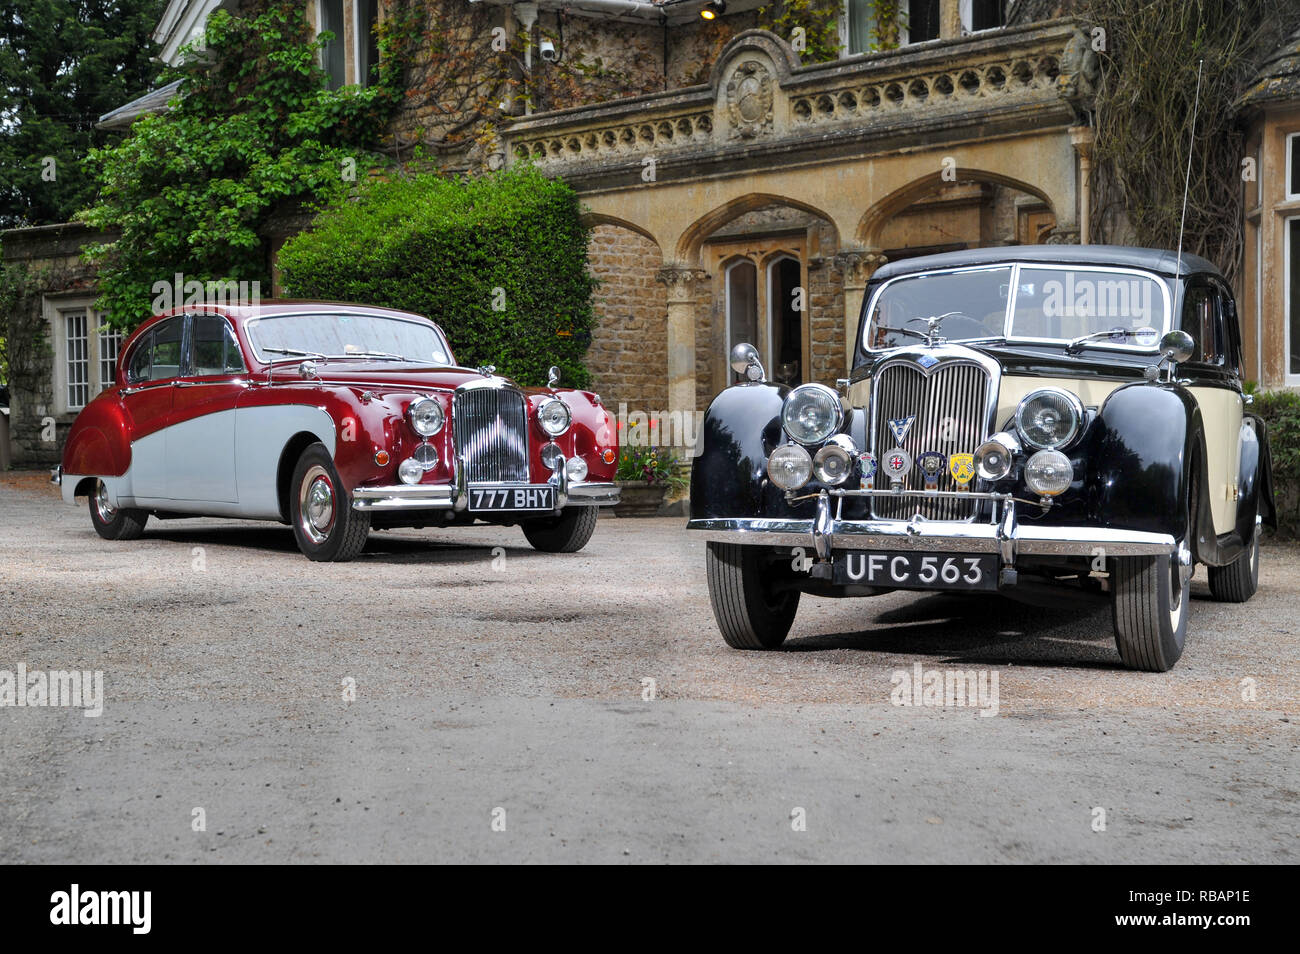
{"x":1082,"y":138}
{"x":526,"y":14}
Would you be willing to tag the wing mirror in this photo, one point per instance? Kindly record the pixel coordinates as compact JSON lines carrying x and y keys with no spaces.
{"x":553,"y":376}
{"x":1175,"y":348}
{"x":744,"y":361}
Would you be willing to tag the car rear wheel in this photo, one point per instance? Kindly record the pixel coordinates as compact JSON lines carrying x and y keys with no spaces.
{"x":114,"y":523}
{"x":325,"y":525}
{"x":1237,"y":582}
{"x":1150,"y":607}
{"x":567,"y":533}
{"x":751,"y":609}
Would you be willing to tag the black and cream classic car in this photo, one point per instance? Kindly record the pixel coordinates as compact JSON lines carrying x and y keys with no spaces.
{"x":1016,"y":418}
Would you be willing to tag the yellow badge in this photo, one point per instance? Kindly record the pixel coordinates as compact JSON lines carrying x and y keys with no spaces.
{"x":962,"y":468}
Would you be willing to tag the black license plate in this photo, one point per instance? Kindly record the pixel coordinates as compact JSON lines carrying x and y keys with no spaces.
{"x":513,"y":497}
{"x":917,"y":571}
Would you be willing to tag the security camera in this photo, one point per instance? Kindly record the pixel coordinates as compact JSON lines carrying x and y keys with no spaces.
{"x":548,"y":51}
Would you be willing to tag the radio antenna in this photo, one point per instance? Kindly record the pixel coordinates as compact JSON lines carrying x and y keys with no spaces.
{"x":1187,"y":179}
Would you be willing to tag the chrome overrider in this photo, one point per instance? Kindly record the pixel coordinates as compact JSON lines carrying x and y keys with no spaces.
{"x":455,"y":496}
{"x":1003,"y":534}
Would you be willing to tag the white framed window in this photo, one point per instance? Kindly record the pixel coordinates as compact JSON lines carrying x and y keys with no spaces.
{"x":365,"y":17}
{"x":85,"y":354}
{"x":329,"y":19}
{"x":1292,"y":167}
{"x":1291,"y":296}
{"x":918,"y":21}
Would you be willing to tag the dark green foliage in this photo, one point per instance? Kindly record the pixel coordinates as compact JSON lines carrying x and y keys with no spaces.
{"x":64,"y":63}
{"x":453,"y":249}
{"x":1281,"y":410}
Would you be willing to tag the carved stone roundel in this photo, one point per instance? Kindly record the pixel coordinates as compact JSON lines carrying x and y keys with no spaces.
{"x":749,"y":98}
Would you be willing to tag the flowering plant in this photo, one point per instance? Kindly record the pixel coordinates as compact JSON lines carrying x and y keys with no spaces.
{"x":652,"y":465}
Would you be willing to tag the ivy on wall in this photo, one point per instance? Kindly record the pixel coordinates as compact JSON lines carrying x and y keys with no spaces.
{"x":818,"y":21}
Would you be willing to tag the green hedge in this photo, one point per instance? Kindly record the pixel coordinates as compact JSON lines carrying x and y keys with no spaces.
{"x":1281,"y":411}
{"x":458,"y":250}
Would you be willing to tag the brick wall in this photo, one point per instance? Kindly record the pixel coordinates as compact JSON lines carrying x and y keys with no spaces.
{"x":629,"y":346}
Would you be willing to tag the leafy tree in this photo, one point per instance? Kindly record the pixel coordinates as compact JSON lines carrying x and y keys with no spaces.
{"x":64,"y":64}
{"x":255,"y":129}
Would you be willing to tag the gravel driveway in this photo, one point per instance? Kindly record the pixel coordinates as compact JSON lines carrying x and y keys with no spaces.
{"x":501,"y":710}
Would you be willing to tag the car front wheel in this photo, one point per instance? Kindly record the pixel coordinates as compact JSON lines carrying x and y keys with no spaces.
{"x":567,"y":533}
{"x":1237,"y":582}
{"x":753,"y":609}
{"x":114,"y":523}
{"x":325,"y":525}
{"x":1150,"y":596}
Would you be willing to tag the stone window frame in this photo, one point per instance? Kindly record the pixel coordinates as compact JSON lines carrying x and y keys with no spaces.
{"x":57,"y":309}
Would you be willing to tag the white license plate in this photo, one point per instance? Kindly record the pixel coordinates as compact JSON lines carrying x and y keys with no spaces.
{"x":512,"y":497}
{"x":917,"y":571}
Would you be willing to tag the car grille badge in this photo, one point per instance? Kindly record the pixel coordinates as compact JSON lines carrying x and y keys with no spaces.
{"x":899,"y":428}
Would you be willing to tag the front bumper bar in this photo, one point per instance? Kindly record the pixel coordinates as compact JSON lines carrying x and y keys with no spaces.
{"x":1004,"y":534}
{"x":455,"y":496}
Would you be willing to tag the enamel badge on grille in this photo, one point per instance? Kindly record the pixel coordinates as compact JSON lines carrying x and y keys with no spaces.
{"x":962,"y":468}
{"x":897,"y":463}
{"x":931,"y":464}
{"x":867,"y":466}
{"x":900,"y":427}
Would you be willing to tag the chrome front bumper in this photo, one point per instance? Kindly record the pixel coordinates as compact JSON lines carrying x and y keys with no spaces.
{"x":1004,"y":534}
{"x":455,"y":496}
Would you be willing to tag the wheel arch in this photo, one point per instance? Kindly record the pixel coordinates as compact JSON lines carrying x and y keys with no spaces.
{"x":293,"y":449}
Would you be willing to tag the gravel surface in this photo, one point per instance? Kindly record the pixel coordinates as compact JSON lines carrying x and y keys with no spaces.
{"x":499,"y":687}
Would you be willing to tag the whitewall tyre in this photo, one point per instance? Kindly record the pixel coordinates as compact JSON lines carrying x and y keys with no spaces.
{"x":325,"y":525}
{"x":1150,"y":597}
{"x":114,"y":523}
{"x":752,"y":609}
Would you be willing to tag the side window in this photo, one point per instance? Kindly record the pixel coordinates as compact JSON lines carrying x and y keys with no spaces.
{"x":165,"y":349}
{"x":137,"y":369}
{"x":1203,"y":321}
{"x":215,"y":350}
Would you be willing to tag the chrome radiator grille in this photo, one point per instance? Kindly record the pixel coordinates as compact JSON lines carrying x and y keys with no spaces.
{"x":491,"y":430}
{"x":951,"y":410}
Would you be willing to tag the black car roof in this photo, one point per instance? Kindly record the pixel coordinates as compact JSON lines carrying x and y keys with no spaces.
{"x":1153,"y":259}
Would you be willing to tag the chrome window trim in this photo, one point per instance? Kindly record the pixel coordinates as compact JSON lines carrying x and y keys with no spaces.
{"x":1016,"y":266}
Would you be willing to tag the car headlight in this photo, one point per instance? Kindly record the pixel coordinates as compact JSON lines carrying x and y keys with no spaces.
{"x":426,"y":417}
{"x":1049,"y":418}
{"x":789,"y":467}
{"x":811,"y":413}
{"x":554,"y":416}
{"x":1049,"y":473}
{"x":577,"y":469}
{"x":410,"y":471}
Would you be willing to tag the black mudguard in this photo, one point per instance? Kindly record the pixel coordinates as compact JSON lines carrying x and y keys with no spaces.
{"x":1138,"y":476}
{"x":729,"y":477}
{"x":1255,"y":477}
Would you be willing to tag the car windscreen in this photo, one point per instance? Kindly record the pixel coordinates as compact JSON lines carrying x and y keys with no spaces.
{"x":343,"y":335}
{"x":1113,"y":308}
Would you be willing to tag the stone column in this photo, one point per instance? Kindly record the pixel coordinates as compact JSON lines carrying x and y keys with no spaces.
{"x":949,"y":19}
{"x":680,"y":281}
{"x":1082,"y":138}
{"x":857,"y":265}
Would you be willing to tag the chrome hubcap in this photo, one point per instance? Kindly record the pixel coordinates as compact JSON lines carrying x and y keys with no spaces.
{"x":316,"y":505}
{"x":105,"y":509}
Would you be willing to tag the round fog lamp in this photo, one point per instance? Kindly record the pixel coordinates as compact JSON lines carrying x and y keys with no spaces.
{"x":992,"y":460}
{"x":426,"y":455}
{"x":410,"y":471}
{"x":832,"y":465}
{"x":550,"y":454}
{"x":577,"y":468}
{"x":1049,"y":473}
{"x":789,"y":467}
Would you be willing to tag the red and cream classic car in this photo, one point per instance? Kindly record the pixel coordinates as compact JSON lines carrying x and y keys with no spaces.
{"x":334,"y":419}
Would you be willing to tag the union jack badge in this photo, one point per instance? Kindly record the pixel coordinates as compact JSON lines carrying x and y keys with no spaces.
{"x":897,"y":463}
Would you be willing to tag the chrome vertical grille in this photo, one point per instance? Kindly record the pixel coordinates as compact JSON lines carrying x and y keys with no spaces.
{"x":492,"y":434}
{"x":950,"y":405}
